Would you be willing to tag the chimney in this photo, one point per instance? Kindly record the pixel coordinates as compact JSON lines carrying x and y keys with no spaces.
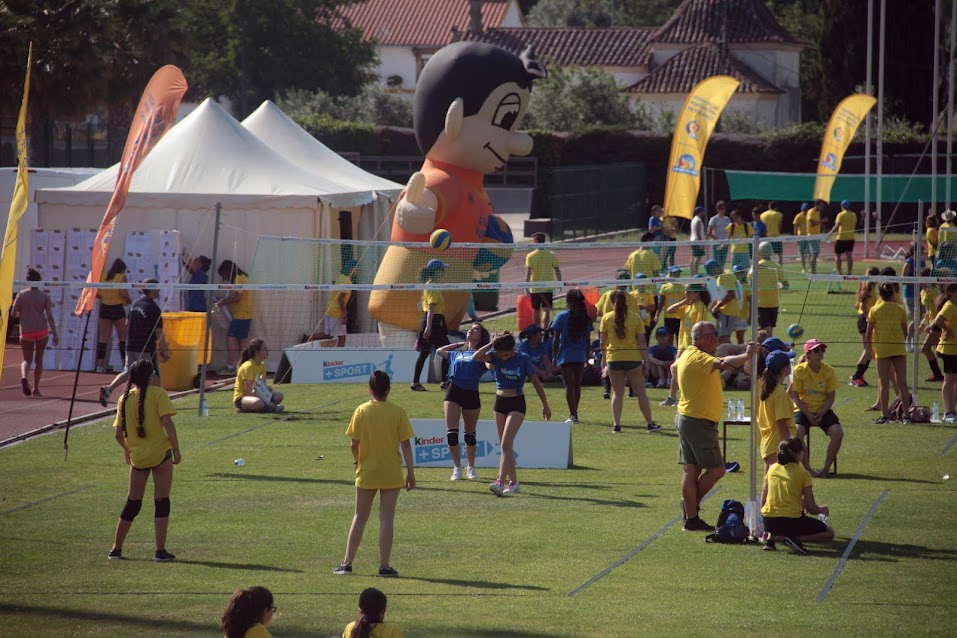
{"x":475,"y":16}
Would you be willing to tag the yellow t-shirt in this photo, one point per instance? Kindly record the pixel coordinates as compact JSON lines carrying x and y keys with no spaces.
{"x":869,"y":301}
{"x":776,"y":407}
{"x":333,"y":309}
{"x":786,"y":485}
{"x":148,"y":451}
{"x":690,"y":315}
{"x":672,"y":294}
{"x":740,"y":231}
{"x":770,"y":274}
{"x":946,"y":233}
{"x":248,"y":371}
{"x":799,"y":222}
{"x":433,"y":297}
{"x":644,"y":261}
{"x":813,"y":221}
{"x":604,"y":302}
{"x":257,"y":631}
{"x":931,"y":234}
{"x":948,"y":345}
{"x":643,"y":300}
{"x":112,"y":296}
{"x":813,"y":387}
{"x":381,"y":630}
{"x":669,"y":226}
{"x":888,"y":338}
{"x":846,"y":222}
{"x":700,"y":385}
{"x":243,"y":309}
{"x":624,"y":348}
{"x":379,"y":427}
{"x":542,"y":263}
{"x":928,"y":299}
{"x":736,"y":307}
{"x":772,"y":220}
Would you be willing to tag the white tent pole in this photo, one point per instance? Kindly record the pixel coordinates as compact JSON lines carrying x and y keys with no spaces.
{"x":950,"y":100}
{"x":936,"y":109}
{"x":869,"y":89}
{"x":880,"y":111}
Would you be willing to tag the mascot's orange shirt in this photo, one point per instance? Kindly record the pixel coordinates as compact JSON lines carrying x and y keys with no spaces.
{"x":463,"y":205}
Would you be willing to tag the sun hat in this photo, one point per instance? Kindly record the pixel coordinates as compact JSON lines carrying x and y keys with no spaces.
{"x":813,"y":344}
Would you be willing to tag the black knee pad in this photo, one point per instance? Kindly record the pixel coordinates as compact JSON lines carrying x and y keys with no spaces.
{"x":131,"y":509}
{"x":470,"y":439}
{"x":452,"y":436}
{"x":100,"y":349}
{"x":162,"y":508}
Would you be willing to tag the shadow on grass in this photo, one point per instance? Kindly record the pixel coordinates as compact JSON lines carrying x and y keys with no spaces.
{"x":490,"y":633}
{"x":100,"y":618}
{"x":249,"y":566}
{"x":866,"y":477}
{"x":279,"y":479}
{"x":880,"y":551}
{"x":475,"y":584}
{"x":593,"y":501}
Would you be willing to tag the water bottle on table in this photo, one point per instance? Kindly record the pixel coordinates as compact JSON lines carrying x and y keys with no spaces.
{"x":741,"y":416}
{"x":731,"y":412}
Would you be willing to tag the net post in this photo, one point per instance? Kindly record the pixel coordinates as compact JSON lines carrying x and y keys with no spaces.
{"x":915,"y":305}
{"x":209,"y":312}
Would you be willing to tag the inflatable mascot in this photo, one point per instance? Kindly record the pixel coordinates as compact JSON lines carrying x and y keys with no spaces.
{"x":469,"y":101}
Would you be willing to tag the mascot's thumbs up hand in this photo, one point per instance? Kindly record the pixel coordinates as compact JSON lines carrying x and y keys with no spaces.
{"x":415,"y":212}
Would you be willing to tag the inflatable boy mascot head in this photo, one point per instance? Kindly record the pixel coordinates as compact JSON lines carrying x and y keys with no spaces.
{"x":469,"y":101}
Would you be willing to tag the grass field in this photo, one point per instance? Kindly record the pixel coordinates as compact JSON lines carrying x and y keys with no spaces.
{"x":474,"y":565}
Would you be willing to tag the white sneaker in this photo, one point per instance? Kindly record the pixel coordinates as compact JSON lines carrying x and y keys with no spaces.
{"x":512,"y":488}
{"x":572,"y":419}
{"x":456,"y":474}
{"x":669,"y":402}
{"x":470,"y":473}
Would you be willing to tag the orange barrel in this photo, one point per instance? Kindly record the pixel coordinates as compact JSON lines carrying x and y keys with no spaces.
{"x":523,"y":311}
{"x":591,"y":299}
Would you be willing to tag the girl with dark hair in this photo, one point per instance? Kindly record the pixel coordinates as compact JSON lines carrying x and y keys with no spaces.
{"x":532,"y":342}
{"x":112,"y":314}
{"x":378,"y":430}
{"x":462,"y":399}
{"x":886,"y":332}
{"x":946,"y":321}
{"x":866,"y":297}
{"x":35,"y":311}
{"x":433,"y":333}
{"x":252,"y":367}
{"x":248,"y":614}
{"x":690,"y":310}
{"x":572,"y":329}
{"x":241,"y":308}
{"x":198,"y":268}
{"x":623,"y":349}
{"x":786,"y":495}
{"x":511,"y":370}
{"x":929,"y":295}
{"x":370,"y":622}
{"x":775,"y":410}
{"x":144,"y":429}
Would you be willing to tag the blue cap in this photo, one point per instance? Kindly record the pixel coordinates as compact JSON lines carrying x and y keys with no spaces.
{"x":845,"y":204}
{"x":710,"y":264}
{"x":532,"y":329}
{"x":698,"y":276}
{"x":699,"y":209}
{"x":739,"y":268}
{"x":661,"y":330}
{"x":640,"y":275}
{"x":805,"y":206}
{"x":776,"y":360}
{"x":674,"y":270}
{"x":773,"y":343}
{"x":436,"y":263}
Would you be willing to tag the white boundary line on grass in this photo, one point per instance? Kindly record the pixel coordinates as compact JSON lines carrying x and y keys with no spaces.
{"x":850,"y":547}
{"x":44,"y":500}
{"x":628,"y":556}
{"x":948,"y":446}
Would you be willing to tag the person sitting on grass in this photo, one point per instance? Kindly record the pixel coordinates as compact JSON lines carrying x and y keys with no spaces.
{"x":787,"y":493}
{"x":370,"y":622}
{"x":252,"y":369}
{"x":248,"y":614}
{"x":532,"y":343}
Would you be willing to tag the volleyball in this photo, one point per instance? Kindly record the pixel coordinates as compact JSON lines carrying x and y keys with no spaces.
{"x":795,"y":331}
{"x":440,"y":239}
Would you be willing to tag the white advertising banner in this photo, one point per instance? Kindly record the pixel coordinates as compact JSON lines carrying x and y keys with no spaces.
{"x":314,"y":364}
{"x":539,"y":444}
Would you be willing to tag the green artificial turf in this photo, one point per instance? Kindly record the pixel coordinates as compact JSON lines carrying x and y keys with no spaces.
{"x":474,"y":565}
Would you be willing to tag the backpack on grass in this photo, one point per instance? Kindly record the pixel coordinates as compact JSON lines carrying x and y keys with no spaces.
{"x":731,"y":529}
{"x":918,"y":413}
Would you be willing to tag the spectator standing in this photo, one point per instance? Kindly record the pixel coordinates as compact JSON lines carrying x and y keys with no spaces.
{"x":773,"y":219}
{"x":718,"y":230}
{"x":771,"y":278}
{"x":643,"y":259}
{"x":813,"y":221}
{"x":541,"y":265}
{"x":35,"y":311}
{"x":198,"y":275}
{"x":844,"y":226}
{"x":241,"y":307}
{"x":698,"y":234}
{"x":112,"y":314}
{"x":800,"y":229}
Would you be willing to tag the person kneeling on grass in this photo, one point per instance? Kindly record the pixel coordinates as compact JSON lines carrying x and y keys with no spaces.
{"x":252,"y":370}
{"x":787,"y":492}
{"x":248,"y":614}
{"x":370,"y":622}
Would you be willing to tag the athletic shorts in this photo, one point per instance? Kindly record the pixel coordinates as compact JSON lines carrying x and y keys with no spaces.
{"x":767,"y":317}
{"x":725,"y":324}
{"x":438,"y":336}
{"x":465,"y":399}
{"x":862,"y":324}
{"x":239,"y":328}
{"x":950,"y":362}
{"x":698,"y":442}
{"x":829,"y":419}
{"x":697,"y":251}
{"x":112,"y":312}
{"x":672,"y":325}
{"x":624,"y":366}
{"x":169,"y":455}
{"x":777,"y":247}
{"x":794,"y":527}
{"x":507,"y":405}
{"x":843,"y":246}
{"x":814,"y":247}
{"x":133,"y":357}
{"x":35,"y":335}
{"x":541,"y":300}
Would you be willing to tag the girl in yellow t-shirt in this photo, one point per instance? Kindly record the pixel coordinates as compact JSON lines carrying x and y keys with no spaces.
{"x":433,"y":333}
{"x":946,"y":320}
{"x":929,"y":294}
{"x":623,"y":349}
{"x":866,"y":297}
{"x":144,"y":429}
{"x":241,"y":307}
{"x":112,"y":314}
{"x":248,"y":614}
{"x":775,"y":415}
{"x":370,"y":623}
{"x":786,"y":495}
{"x":886,"y":331}
{"x":378,"y":431}
{"x":692,"y":309}
{"x":252,"y":366}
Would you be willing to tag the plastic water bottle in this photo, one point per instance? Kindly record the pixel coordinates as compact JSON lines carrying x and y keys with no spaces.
{"x":204,"y":408}
{"x":935,"y":413}
{"x":239,"y":462}
{"x":740,"y":409}
{"x":731,"y":409}
{"x":823,"y":518}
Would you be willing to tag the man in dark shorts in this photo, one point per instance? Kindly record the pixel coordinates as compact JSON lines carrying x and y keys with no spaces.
{"x":844,"y":225}
{"x":540,"y":265}
{"x":771,"y":278}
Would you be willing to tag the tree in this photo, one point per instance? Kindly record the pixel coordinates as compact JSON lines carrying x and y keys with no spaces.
{"x":575,"y":99}
{"x":374,"y":105}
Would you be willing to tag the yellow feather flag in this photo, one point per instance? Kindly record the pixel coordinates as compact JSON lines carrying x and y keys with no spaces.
{"x":696,"y":122}
{"x":8,"y":252}
{"x":840,"y":131}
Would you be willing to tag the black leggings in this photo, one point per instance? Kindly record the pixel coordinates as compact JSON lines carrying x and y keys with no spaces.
{"x":420,"y":362}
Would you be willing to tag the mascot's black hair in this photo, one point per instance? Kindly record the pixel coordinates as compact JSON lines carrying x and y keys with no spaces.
{"x":467,"y":70}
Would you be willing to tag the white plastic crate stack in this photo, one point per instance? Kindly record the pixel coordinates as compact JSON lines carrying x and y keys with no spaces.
{"x":79,"y":247}
{"x":155,"y":253}
{"x":49,"y":257}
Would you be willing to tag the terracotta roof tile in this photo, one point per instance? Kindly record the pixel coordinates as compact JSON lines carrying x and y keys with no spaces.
{"x":703,"y":21}
{"x":682,"y":72}
{"x":418,"y":22}
{"x":566,"y":46}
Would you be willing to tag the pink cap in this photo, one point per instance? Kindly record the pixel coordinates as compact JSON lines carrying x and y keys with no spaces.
{"x":811,"y":344}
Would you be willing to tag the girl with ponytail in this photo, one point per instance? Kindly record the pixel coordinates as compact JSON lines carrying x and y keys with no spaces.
{"x":252,"y":367}
{"x":775,"y":411}
{"x":248,"y":614}
{"x":370,"y":622}
{"x":573,"y":330}
{"x":787,"y":494}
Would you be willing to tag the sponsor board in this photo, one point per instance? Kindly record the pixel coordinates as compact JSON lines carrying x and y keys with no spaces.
{"x":314,"y":364}
{"x":539,"y":444}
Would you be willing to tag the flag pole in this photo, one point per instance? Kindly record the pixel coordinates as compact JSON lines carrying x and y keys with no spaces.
{"x":76,"y":381}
